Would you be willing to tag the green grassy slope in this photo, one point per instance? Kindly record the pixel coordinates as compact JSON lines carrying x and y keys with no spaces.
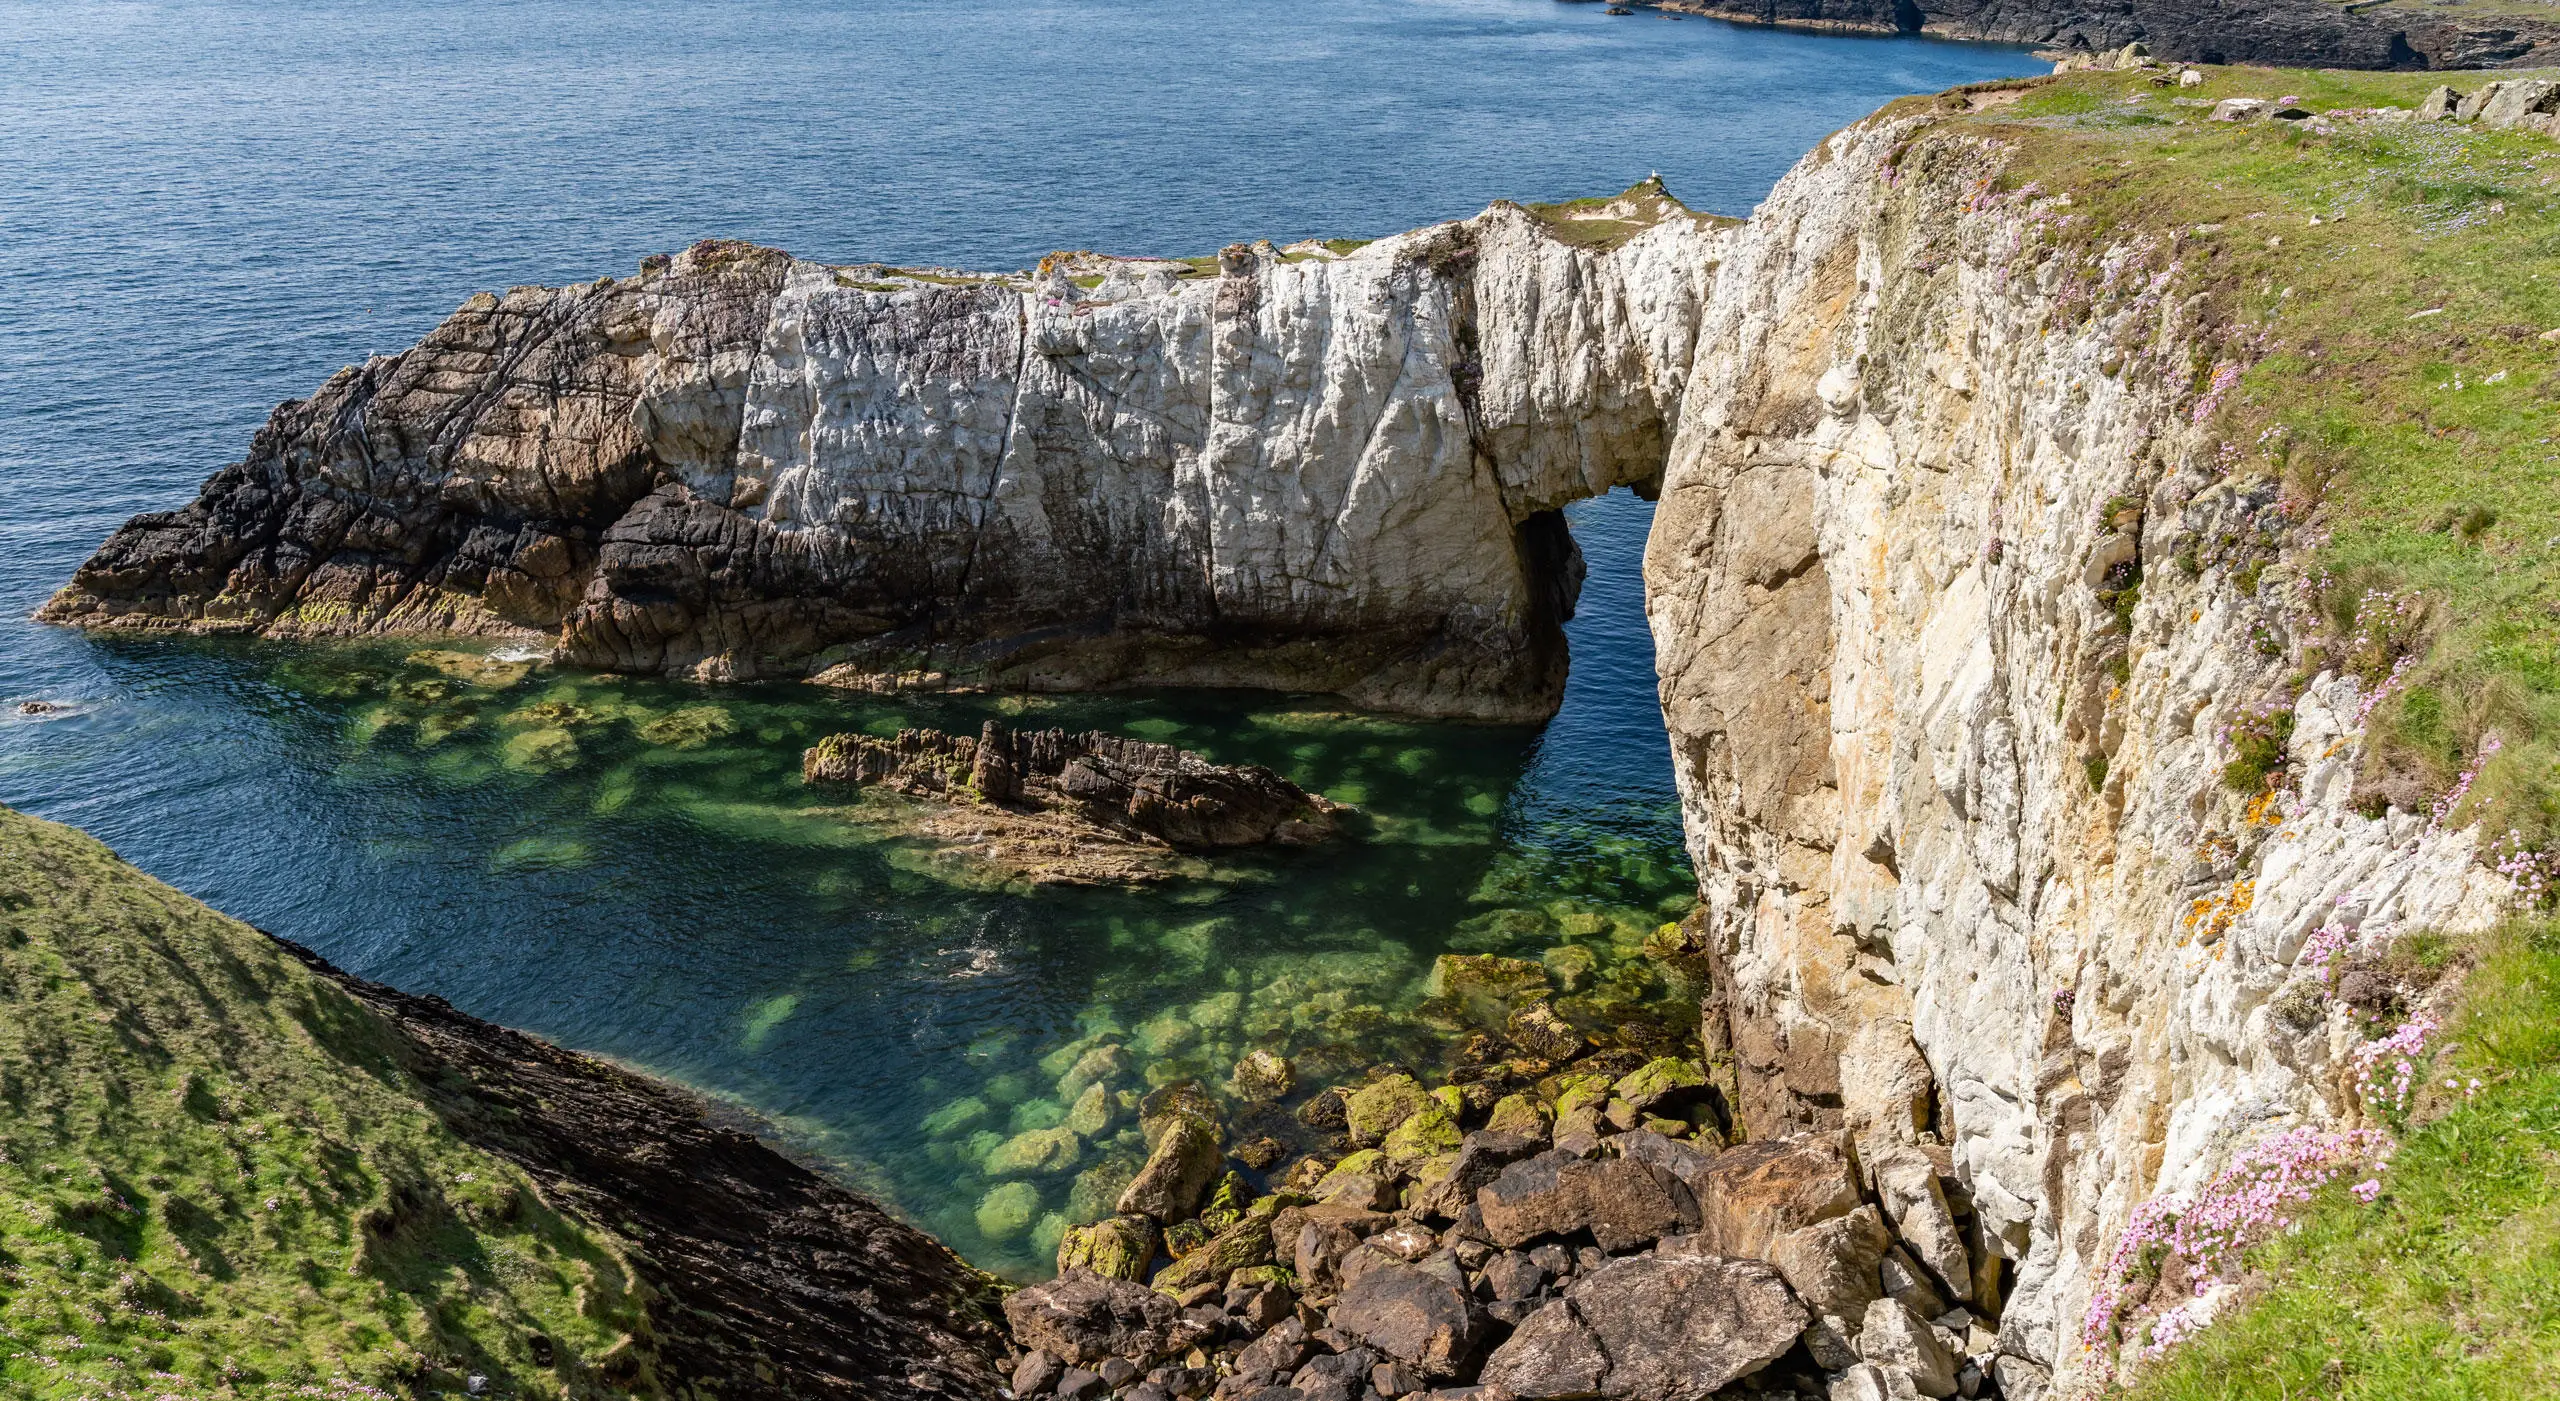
{"x":2394,"y":382}
{"x":2447,"y":1287}
{"x":215,"y":1181}
{"x":2394,"y":379}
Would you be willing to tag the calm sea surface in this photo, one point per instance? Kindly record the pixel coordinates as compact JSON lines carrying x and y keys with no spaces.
{"x":205,"y":209}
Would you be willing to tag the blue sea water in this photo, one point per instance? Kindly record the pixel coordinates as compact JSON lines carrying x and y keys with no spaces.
{"x":206,"y":208}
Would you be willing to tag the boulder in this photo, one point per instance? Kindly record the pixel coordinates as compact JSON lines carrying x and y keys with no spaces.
{"x":1541,"y":1034}
{"x":2510,"y":102}
{"x":1036,"y":1372}
{"x":1083,"y":1318}
{"x":1869,"y":1382}
{"x":1832,"y":1265}
{"x":1378,"y":1108}
{"x":1657,"y":1080}
{"x":1174,"y":1103}
{"x":1118,"y":1247}
{"x":1886,"y":1090}
{"x":1326,"y":1235}
{"x":2020,"y":1380}
{"x":1263,"y":1076}
{"x":1185,"y":1159}
{"x":1905,"y":1280}
{"x":1481,"y":1157}
{"x":1519,"y":1116}
{"x":1623,"y":1202}
{"x":1651,"y":1329}
{"x":1100,"y":1066}
{"x":1244,"y":1244}
{"x":2242,"y":109}
{"x":1413,"y":1315}
{"x":2439,"y":104}
{"x":1896,"y":1338}
{"x":1091,"y":1113}
{"x":1915,"y":1205}
{"x":1753,"y":1193}
{"x":1430,"y":1131}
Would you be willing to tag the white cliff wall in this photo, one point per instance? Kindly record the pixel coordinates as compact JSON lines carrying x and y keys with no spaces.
{"x":1918,"y":439}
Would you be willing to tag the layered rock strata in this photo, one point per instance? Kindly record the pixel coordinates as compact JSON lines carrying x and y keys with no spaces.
{"x":1949,"y":725}
{"x":1308,"y":469}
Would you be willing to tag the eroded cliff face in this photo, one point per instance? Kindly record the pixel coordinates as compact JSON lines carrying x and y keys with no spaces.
{"x":1949,"y":724}
{"x":1307,"y":470}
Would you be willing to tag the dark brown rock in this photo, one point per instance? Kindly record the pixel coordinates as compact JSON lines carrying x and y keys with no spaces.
{"x":1085,"y":1318}
{"x":1482,"y":1156}
{"x":1751,"y":1194}
{"x":1650,"y":1329}
{"x":1623,"y":1202}
{"x":1413,"y":1315}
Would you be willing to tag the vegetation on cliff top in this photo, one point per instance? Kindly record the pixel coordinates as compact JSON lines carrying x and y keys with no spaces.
{"x":2378,"y":295}
{"x":216,"y":1180}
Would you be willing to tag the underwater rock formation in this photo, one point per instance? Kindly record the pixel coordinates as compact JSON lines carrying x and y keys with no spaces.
{"x":1053,"y":807}
{"x":1328,"y":468}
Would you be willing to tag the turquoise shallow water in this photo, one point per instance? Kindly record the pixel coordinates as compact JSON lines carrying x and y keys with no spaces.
{"x":209,"y":207}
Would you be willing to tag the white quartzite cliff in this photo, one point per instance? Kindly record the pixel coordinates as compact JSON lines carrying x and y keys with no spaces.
{"x":1937,"y":794}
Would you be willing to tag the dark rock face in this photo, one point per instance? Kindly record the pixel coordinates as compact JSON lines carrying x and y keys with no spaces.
{"x":1413,"y":1315}
{"x":782,"y":1284}
{"x":1150,"y":790}
{"x":1085,"y":1318}
{"x":2290,"y":33}
{"x":1652,"y":1330}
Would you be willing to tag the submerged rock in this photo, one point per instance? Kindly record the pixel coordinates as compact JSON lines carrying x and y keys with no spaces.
{"x":1060,"y":808}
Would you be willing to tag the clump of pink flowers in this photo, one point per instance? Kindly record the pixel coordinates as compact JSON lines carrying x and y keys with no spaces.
{"x":2226,"y":377}
{"x":2322,"y":945}
{"x":2245,"y":1203}
{"x":2405,"y":1049}
{"x":2533,"y":875}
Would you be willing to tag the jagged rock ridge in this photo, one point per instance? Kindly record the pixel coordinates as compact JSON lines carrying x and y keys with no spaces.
{"x":1314,"y":470}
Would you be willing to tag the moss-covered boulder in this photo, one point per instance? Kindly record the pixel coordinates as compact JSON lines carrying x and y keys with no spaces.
{"x":1374,"y":1110}
{"x":1179,"y":1169}
{"x":1658,"y":1080}
{"x":1100,"y":1065}
{"x":956,"y":1118}
{"x":1482,"y":988}
{"x":1227,"y":1202}
{"x":1243,"y":1244}
{"x":1177,"y":1101}
{"x":1518,"y":1113}
{"x":1091,"y":1115}
{"x":1116,"y":1247}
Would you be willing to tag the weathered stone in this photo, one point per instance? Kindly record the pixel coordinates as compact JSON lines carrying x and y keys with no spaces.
{"x":1244,"y":1244}
{"x":1414,"y":1316}
{"x":1541,"y":1034}
{"x":1657,"y":1081}
{"x":1090,"y":1116}
{"x":2439,"y":104}
{"x":1276,"y":1353}
{"x":1651,"y":1329}
{"x":1118,"y":1247}
{"x":1036,"y":1372}
{"x":1751,"y":1194}
{"x":1902,"y":1279}
{"x":1378,"y":1108}
{"x":1103,"y":1065}
{"x":1084,"y":1318}
{"x":1513,"y":1275}
{"x":1481,"y":1157}
{"x":1915,"y":1205}
{"x":1006,"y":1210}
{"x":1896,"y":1338}
{"x":1886,"y":1091}
{"x":1168,"y":1188}
{"x":1173,"y":1103}
{"x":1079,"y":1384}
{"x":1832,"y":1265}
{"x":1868,"y":1382}
{"x":1263,"y":1076}
{"x":1326,"y":1236}
{"x":1430,"y":1131}
{"x":1117,"y":1372}
{"x":2019,"y":1379}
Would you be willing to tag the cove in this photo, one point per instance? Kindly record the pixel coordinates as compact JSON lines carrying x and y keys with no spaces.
{"x":657,"y":889}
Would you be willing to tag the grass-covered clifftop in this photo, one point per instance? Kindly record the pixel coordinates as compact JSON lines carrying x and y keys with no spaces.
{"x":226,"y":1170}
{"x":2377,"y":301}
{"x":2377,"y":296}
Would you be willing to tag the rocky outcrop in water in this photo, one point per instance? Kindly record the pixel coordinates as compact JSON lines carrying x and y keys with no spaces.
{"x":2304,"y":33}
{"x":1049,"y":807}
{"x":1128,"y":788}
{"x":1326,"y":468}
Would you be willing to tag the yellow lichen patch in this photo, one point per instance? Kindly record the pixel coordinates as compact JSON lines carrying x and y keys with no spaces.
{"x":2264,"y":810}
{"x":2212,"y":916}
